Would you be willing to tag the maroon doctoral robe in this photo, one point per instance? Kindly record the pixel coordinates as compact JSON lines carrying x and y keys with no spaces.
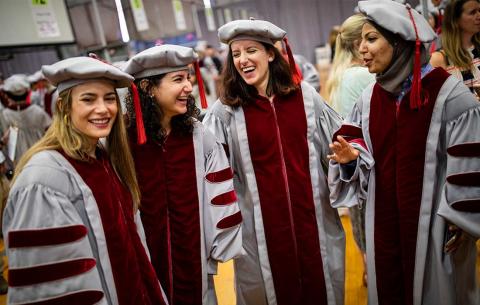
{"x":135,"y":279}
{"x":170,"y":215}
{"x":398,"y":136}
{"x":277,"y":138}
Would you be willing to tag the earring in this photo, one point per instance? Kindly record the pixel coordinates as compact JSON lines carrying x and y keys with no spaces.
{"x":270,"y":59}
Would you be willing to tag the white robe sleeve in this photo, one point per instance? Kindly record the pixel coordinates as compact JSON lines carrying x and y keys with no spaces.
{"x":349,"y":187}
{"x":216,"y":121}
{"x":49,"y":254}
{"x":462,"y":187}
{"x":328,"y":121}
{"x":222,"y":216}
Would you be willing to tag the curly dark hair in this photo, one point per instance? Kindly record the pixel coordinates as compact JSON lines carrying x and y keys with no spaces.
{"x":236,"y":92}
{"x":152,"y":113}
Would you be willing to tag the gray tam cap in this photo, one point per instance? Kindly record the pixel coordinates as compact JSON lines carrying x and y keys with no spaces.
{"x":160,"y":60}
{"x":259,"y":30}
{"x":74,"y":71}
{"x":16,"y":84}
{"x":395,"y":18}
{"x":35,"y":77}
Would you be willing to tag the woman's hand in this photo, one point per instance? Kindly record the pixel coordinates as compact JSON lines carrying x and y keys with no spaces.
{"x":343,"y":152}
{"x":476,"y":91}
{"x":456,"y":237}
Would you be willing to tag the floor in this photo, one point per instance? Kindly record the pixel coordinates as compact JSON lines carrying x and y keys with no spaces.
{"x":355,"y":292}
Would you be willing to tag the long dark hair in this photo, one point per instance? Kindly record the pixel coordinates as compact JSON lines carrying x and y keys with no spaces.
{"x":452,"y":35}
{"x":152,"y":113}
{"x":236,"y":92}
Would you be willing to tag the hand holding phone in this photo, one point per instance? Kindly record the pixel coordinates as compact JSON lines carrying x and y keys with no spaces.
{"x":453,"y":238}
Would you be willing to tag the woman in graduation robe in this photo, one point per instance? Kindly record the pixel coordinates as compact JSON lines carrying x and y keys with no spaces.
{"x":276,"y":131}
{"x":29,"y":121}
{"x":71,"y":218}
{"x":189,"y":207}
{"x":409,"y":151}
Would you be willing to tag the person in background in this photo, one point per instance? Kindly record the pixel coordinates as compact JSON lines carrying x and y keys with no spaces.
{"x":27,"y":120}
{"x":460,"y":53}
{"x":275,"y":131}
{"x":211,"y":54}
{"x":41,"y":91}
{"x":348,"y":78}
{"x":435,"y":10}
{"x":308,"y":71}
{"x":73,"y":234}
{"x":4,"y":189}
{"x":420,"y":189}
{"x":332,"y":38}
{"x":211,"y":67}
{"x":189,"y":207}
{"x":304,"y":68}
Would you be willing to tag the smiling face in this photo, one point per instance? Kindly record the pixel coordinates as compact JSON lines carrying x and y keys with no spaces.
{"x":377,"y":53}
{"x":251,"y":61}
{"x":172,"y":93}
{"x":94,"y":109}
{"x":469,"y":21}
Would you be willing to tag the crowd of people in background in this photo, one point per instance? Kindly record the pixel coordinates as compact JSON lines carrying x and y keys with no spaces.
{"x":129,"y":183}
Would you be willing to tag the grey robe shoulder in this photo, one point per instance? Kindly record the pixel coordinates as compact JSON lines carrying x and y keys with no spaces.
{"x":221,"y":111}
{"x":208,"y":139}
{"x":46,"y":168}
{"x":217,"y":121}
{"x":459,"y":100}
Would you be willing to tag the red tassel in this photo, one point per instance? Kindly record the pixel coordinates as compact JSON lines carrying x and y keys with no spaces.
{"x":28,"y":100}
{"x":141,"y":135}
{"x":415,"y":92}
{"x":201,"y":87}
{"x":293,"y":66}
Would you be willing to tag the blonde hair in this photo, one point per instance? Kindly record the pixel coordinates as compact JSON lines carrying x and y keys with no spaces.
{"x":62,"y":135}
{"x":346,"y":50}
{"x":452,"y":36}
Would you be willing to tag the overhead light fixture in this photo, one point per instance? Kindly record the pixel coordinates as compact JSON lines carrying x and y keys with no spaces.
{"x":122,"y":21}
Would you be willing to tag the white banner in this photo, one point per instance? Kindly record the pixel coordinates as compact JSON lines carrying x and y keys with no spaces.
{"x":221,"y":21}
{"x":243,"y":14}
{"x":210,"y":19}
{"x":178,"y":14}
{"x":228,"y":15}
{"x":139,"y":15}
{"x":44,"y":19}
